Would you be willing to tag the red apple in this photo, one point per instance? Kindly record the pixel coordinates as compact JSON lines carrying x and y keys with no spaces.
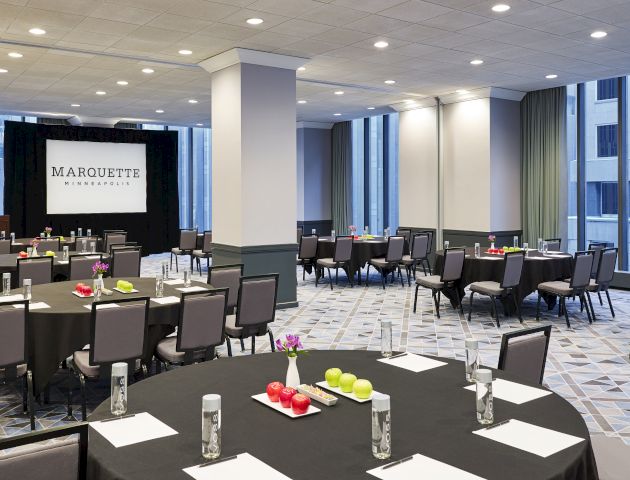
{"x":285,"y":396}
{"x":300,"y":403}
{"x":273,"y":391}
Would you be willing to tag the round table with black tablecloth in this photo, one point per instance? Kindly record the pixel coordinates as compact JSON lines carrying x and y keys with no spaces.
{"x":56,"y":332}
{"x":21,"y":244}
{"x":431,"y":414}
{"x":362,"y":252}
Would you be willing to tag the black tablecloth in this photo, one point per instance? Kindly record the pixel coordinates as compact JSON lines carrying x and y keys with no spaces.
{"x":21,"y":244}
{"x":56,"y":332}
{"x":362,"y":252}
{"x":431,"y":415}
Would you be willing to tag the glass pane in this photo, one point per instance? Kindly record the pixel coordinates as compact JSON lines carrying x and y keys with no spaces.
{"x":357,"y":174}
{"x":392,"y":159}
{"x":376,"y":175}
{"x":150,"y":126}
{"x":202,"y":178}
{"x":572,"y":167}
{"x":184,"y":175}
{"x":600,"y":105}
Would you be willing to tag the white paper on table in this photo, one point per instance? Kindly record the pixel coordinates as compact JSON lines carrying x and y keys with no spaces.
{"x":191,"y":289}
{"x":540,"y":441}
{"x":245,"y":464}
{"x":63,"y":262}
{"x":101,"y":307}
{"x":513,"y":392}
{"x":413,"y":362}
{"x":11,"y":298}
{"x":177,"y":281}
{"x":165,"y":300}
{"x":34,"y":305}
{"x":127,"y":431}
{"x":422,"y":467}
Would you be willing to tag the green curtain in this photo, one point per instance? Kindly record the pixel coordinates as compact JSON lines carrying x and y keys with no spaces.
{"x":543,"y":146}
{"x":341,"y":176}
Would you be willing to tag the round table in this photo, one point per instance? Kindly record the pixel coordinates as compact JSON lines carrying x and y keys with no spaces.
{"x":362,"y":252}
{"x":431,"y":414}
{"x":56,"y":332}
{"x":21,"y":244}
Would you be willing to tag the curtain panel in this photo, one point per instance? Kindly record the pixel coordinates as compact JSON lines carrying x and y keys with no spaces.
{"x":341,"y":176}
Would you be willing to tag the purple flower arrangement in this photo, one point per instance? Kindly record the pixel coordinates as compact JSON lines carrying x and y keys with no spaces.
{"x":291,"y":345}
{"x":48,"y":230}
{"x":492,"y":238}
{"x":35,"y":242}
{"x":99,"y":268}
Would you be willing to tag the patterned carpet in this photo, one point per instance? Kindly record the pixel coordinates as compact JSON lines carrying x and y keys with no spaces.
{"x":587,"y":364}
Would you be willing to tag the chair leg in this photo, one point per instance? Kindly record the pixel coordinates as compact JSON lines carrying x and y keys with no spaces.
{"x":612,"y":311}
{"x":415,"y":299}
{"x":229,"y":346}
{"x":590,"y":304}
{"x":24,"y":395}
{"x":330,"y":278}
{"x":588,"y":312}
{"x":516,"y":305}
{"x":171,"y":260}
{"x":242,"y":344}
{"x":601,"y":302}
{"x":429,"y":267}
{"x":303,"y":272}
{"x":176,"y":264}
{"x":367,"y":276}
{"x":83,"y":399}
{"x":31,"y":400}
{"x":402,"y":282}
{"x":408,"y":270}
{"x":158,"y":366}
{"x":383,"y":278}
{"x":538,"y":307}
{"x":470,"y":305}
{"x":436,"y":301}
{"x":337,"y":276}
{"x":316,"y":274}
{"x":145,"y":371}
{"x":424,"y":270}
{"x":496,"y":310}
{"x":566,"y":314}
{"x":273,"y":347}
{"x":253,"y":344}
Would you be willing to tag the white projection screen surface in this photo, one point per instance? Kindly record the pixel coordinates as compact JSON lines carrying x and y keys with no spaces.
{"x":95,"y":177}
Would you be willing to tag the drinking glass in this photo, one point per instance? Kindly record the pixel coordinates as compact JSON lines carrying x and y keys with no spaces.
{"x":366,"y":230}
{"x":540,"y":244}
{"x":187,"y":277}
{"x":83,"y":245}
{"x":6,"y":284}
{"x":333,"y":234}
{"x":80,"y":230}
{"x":477,"y":250}
{"x":72,"y":235}
{"x":93,"y":247}
{"x":3,"y":234}
{"x":98,"y":289}
{"x":118,"y":404}
{"x":545,"y":248}
{"x":12,"y":237}
{"x":386,"y":338}
{"x":485,"y":411}
{"x":29,"y":251}
{"x":446,"y":244}
{"x":66,"y":252}
{"x":211,"y":426}
{"x":386,"y":233}
{"x":88,"y":232}
{"x":313,"y":231}
{"x":165,"y":270}
{"x":159,"y":286}
{"x":526,"y":248}
{"x":515,"y":241}
{"x":381,"y":426}
{"x":26,"y":288}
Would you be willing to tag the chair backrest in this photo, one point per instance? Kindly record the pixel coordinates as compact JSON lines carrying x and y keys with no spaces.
{"x":403,"y":232}
{"x":606,"y":266}
{"x":126,"y":262}
{"x":512,"y":269}
{"x":114,"y":238}
{"x":582,"y":265}
{"x":52,"y":244}
{"x":300,"y":232}
{"x":553,"y":244}
{"x":430,"y":234}
{"x":13,"y":334}
{"x":118,"y":334}
{"x":5,"y":247}
{"x":201,"y":321}
{"x":395,"y":249}
{"x":308,"y":247}
{"x":453,"y":264}
{"x":33,"y":454}
{"x":524,"y":353}
{"x":596,"y":248}
{"x":257,"y":303}
{"x":206,"y":246}
{"x":188,"y":239}
{"x":81,"y":266}
{"x":420,"y":246}
{"x":343,"y":249}
{"x":39,"y":270}
{"x":227,"y":276}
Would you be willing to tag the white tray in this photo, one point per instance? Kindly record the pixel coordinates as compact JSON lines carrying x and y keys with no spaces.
{"x":264,"y":399}
{"x":74,"y":292}
{"x":326,"y":401}
{"x":337,"y":391}
{"x":133,"y":290}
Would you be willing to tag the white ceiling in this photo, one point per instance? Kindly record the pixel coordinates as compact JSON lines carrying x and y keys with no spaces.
{"x":91,"y":44}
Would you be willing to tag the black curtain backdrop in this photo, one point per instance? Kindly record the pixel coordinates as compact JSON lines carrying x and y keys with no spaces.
{"x":25,"y":184}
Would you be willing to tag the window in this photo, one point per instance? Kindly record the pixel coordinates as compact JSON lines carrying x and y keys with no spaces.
{"x":607,"y":89}
{"x":594,"y":199}
{"x":609,"y":198}
{"x":606,"y":141}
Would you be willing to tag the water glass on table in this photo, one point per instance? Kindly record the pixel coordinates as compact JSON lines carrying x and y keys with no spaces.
{"x":485,"y":409}
{"x":72,"y":235}
{"x":80,"y":230}
{"x":333,"y":234}
{"x":446,"y":244}
{"x":66,"y":252}
{"x":12,"y":237}
{"x":211,"y":426}
{"x":159,"y":286}
{"x":540,"y":244}
{"x":526,"y":248}
{"x":477,"y":250}
{"x":118,"y":402}
{"x":93,"y":247}
{"x":6,"y":284}
{"x":88,"y":232}
{"x":381,"y":426}
{"x":515,"y":241}
{"x":29,"y":251}
{"x":26,"y":289}
{"x":386,"y":338}
{"x":187,"y":277}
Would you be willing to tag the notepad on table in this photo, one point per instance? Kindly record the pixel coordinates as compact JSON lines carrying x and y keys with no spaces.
{"x":33,"y":306}
{"x":540,"y":441}
{"x":63,"y":262}
{"x":176,"y":281}
{"x":140,"y":427}
{"x":191,"y":289}
{"x":165,"y":300}
{"x":513,"y":392}
{"x":413,"y":362}
{"x":11,"y":298}
{"x":245,"y":464}
{"x":101,"y":307}
{"x":421,"y":466}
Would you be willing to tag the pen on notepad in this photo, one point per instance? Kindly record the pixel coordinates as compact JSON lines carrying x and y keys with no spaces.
{"x":399,"y":355}
{"x":397,"y":462}
{"x":498,"y":424}
{"x":118,"y":418}
{"x":214,"y":462}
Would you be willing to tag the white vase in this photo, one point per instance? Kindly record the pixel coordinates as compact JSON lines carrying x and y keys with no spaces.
{"x":492,"y":245}
{"x":98,"y":281}
{"x":293,"y":376}
{"x":34,"y":252}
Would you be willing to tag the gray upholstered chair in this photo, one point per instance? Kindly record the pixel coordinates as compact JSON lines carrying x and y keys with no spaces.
{"x":603,"y":277}
{"x":205,"y":252}
{"x":126,"y":262}
{"x":39,"y":270}
{"x":596,"y":248}
{"x":82,"y":244}
{"x":405,"y":232}
{"x":580,"y":280}
{"x":52,"y":244}
{"x":612,"y":456}
{"x":227,"y":276}
{"x":256,"y":309}
{"x":307,"y":252}
{"x":81,"y":266}
{"x":449,"y":280}
{"x":116,"y":335}
{"x":200,"y":330}
{"x":5,"y":247}
{"x":14,"y":352}
{"x":187,"y":243}
{"x":524,"y":353}
{"x":114,"y":238}
{"x":341,"y":258}
{"x":512,"y":270}
{"x":33,"y":455}
{"x":300,"y":232}
{"x":553,"y":244}
{"x":390,"y":263}
{"x":419,"y":250}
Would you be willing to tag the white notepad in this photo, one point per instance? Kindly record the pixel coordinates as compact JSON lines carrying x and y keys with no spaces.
{"x":11,"y":298}
{"x":422,"y":467}
{"x":245,"y":464}
{"x":177,"y":281}
{"x":165,"y":300}
{"x":513,"y":392}
{"x":191,"y":289}
{"x":34,"y":305}
{"x":413,"y":362}
{"x":101,"y":307}
{"x":530,"y":438}
{"x":127,"y":431}
{"x":63,"y":262}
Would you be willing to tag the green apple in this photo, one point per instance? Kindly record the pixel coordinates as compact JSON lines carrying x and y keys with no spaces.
{"x":332,"y":376}
{"x":362,"y":388}
{"x":346,"y":381}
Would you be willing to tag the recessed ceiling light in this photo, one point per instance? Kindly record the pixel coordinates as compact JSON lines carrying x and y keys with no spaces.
{"x":254,"y":21}
{"x":337,"y":114}
{"x":551,"y":76}
{"x":462,"y":91}
{"x":159,"y":110}
{"x":147,"y":70}
{"x":339,"y":92}
{"x":370,"y":108}
{"x":122,"y":82}
{"x":75,"y":105}
{"x":199,"y":124}
{"x":301,"y":101}
{"x":301,"y":69}
{"x":599,"y":34}
{"x":381,"y":44}
{"x":3,"y":70}
{"x":410,"y":100}
{"x":15,"y":55}
{"x":390,"y":82}
{"x":192,"y":100}
{"x":185,"y":52}
{"x":476,"y":62}
{"x":37,"y":31}
{"x":500,"y":8}
{"x":101,"y":92}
